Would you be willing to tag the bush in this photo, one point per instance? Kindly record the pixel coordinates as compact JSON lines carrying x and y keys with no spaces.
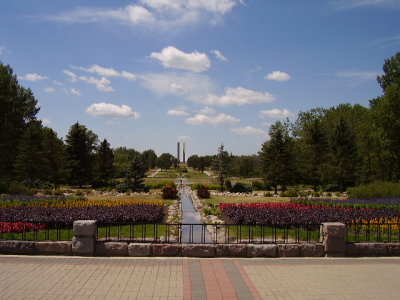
{"x":169,"y":191}
{"x":289,"y":193}
{"x":239,"y":187}
{"x":58,"y":192}
{"x":259,"y":186}
{"x":203,"y":192}
{"x":16,"y":188}
{"x":375,"y":190}
{"x":315,"y":194}
{"x":332,"y":188}
{"x":122,"y":187}
{"x":268,"y":194}
{"x":211,"y":211}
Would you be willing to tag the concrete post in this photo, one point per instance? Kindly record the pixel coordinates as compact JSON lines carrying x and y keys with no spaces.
{"x":334,"y":239}
{"x":83,"y":243}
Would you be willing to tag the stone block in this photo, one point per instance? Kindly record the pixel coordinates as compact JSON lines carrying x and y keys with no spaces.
{"x":266,"y":250}
{"x":85,"y":228}
{"x":334,"y":239}
{"x":53,"y":247}
{"x":335,"y":247}
{"x":166,"y":249}
{"x":17,"y":247}
{"x":312,"y":250}
{"x":198,"y":250}
{"x":334,"y":230}
{"x":231,"y":250}
{"x":288,"y":250}
{"x":111,"y":249}
{"x":371,"y":249}
{"x":139,"y":249}
{"x":83,"y":246}
{"x":393,"y":249}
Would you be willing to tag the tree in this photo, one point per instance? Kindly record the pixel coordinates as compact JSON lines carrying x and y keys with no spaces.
{"x":80,"y":146}
{"x":277,"y":156}
{"x":150,"y":158}
{"x":104,"y":162}
{"x":391,"y":76}
{"x":18,"y":108}
{"x":30,"y":161}
{"x":221,"y":166}
{"x":166,"y":161}
{"x":122,"y":159}
{"x":136,"y":173}
{"x":342,"y":156}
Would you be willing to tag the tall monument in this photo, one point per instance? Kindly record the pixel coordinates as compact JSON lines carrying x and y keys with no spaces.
{"x":184,"y":152}
{"x":178,"y":151}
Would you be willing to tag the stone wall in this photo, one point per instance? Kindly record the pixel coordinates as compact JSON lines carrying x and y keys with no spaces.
{"x":84,"y":243}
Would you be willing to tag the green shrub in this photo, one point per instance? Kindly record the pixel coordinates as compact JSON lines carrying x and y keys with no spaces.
{"x":169,"y":191}
{"x":268,"y":194}
{"x":208,"y":211}
{"x":58,"y":192}
{"x":289,"y":193}
{"x":315,"y":194}
{"x":375,"y":190}
{"x":79,"y":193}
{"x":122,"y":187}
{"x":240,"y":187}
{"x":16,"y":188}
{"x":203,"y":192}
{"x":259,"y":186}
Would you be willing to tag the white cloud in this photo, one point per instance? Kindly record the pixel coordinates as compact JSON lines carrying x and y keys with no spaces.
{"x":101,"y":84}
{"x":207,"y":111}
{"x":73,"y":91}
{"x":178,"y":111}
{"x":219,"y":55}
{"x":106,"y":72}
{"x":46,"y":121}
{"x":111,"y":110}
{"x":221,"y":118}
{"x":55,"y":82}
{"x":170,"y":57}
{"x":350,"y":4}
{"x":362,"y":76}
{"x":276,"y":113}
{"x":191,"y":86}
{"x":278,"y":76}
{"x":49,"y":90}
{"x":238,"y":96}
{"x":72,"y":76}
{"x":33,"y":77}
{"x":157,"y":15}
{"x":248,"y":130}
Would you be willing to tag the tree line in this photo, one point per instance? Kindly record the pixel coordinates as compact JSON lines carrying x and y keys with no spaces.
{"x":345,"y":145}
{"x":32,"y":155}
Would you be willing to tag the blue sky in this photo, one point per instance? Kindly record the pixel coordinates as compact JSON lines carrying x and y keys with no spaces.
{"x":146,"y":74}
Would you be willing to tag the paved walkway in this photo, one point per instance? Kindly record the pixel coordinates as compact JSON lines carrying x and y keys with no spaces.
{"x":61,"y":278}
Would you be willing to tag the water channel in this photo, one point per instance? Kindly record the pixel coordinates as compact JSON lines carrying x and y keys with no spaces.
{"x":191,"y":233}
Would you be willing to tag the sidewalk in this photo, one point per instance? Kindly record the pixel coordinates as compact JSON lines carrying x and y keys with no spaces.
{"x":56,"y":278}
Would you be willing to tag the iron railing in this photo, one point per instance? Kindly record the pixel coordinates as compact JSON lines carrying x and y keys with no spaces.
{"x":207,"y":233}
{"x":367,"y":232}
{"x":36,"y":231}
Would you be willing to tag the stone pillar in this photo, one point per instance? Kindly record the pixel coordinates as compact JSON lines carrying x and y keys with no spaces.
{"x":334,"y":239}
{"x":84,"y":240}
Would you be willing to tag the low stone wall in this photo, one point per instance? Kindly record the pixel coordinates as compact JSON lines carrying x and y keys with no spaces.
{"x":84,"y":243}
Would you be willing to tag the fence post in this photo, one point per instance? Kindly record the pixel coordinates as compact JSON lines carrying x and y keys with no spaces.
{"x":334,"y":238}
{"x":84,"y":240}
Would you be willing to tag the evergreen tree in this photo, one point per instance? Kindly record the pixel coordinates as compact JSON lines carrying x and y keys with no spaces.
{"x":221,"y":166}
{"x":30,"y":161}
{"x":277,"y":157}
{"x":104,"y":162}
{"x":150,"y":158}
{"x":136,"y":173}
{"x":80,"y":146}
{"x":18,"y":108}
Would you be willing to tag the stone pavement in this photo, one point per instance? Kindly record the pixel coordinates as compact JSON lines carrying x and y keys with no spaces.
{"x":61,"y":278}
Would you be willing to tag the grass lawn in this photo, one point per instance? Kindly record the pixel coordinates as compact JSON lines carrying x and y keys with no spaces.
{"x":243,"y":199}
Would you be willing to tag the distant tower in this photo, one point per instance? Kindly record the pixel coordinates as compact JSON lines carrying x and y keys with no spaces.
{"x":184,"y":152}
{"x":178,"y":157}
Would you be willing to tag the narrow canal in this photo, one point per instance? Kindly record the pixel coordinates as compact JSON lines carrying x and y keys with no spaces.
{"x":194,"y":232}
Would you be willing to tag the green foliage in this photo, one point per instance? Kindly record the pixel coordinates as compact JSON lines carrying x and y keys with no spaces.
{"x":221,"y":166}
{"x":375,"y":190}
{"x":277,"y":156}
{"x":290,"y":193}
{"x":122,"y":160}
{"x":104,"y":168}
{"x":211,"y":211}
{"x":80,"y":146}
{"x":169,"y":191}
{"x":166,"y":161}
{"x":203,"y":192}
{"x":259,"y":185}
{"x":136,"y":173}
{"x":150,"y":158}
{"x":240,"y":187}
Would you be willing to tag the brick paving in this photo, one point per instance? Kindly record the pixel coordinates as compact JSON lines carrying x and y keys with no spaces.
{"x":94,"y":278}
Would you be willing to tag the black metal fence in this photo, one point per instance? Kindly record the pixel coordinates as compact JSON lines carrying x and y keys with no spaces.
{"x":36,"y":231}
{"x":373,"y":232}
{"x":207,"y":233}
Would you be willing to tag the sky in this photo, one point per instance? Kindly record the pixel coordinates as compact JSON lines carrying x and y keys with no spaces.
{"x":146,"y":74}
